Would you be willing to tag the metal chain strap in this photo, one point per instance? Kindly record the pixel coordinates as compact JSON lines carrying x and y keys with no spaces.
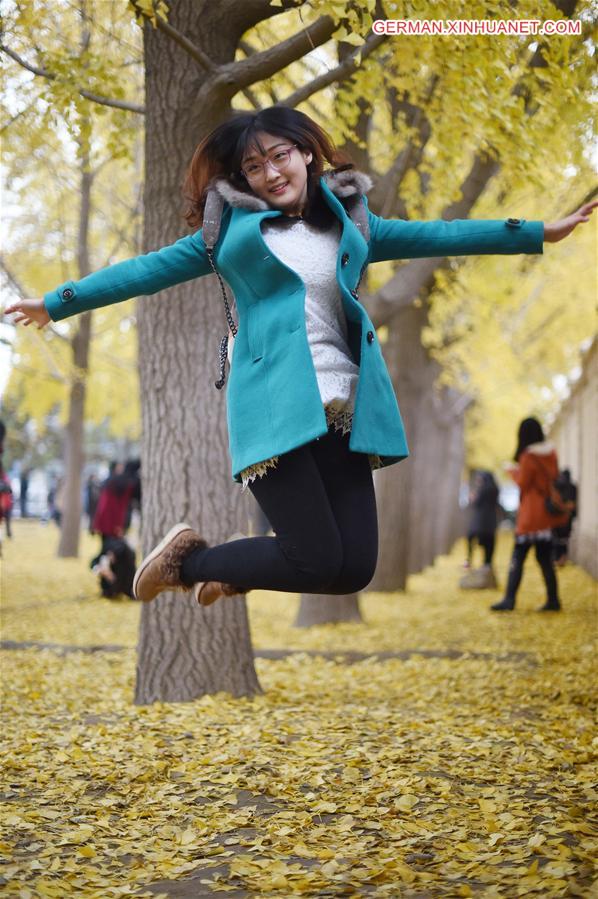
{"x":222,"y":354}
{"x":223,"y":350}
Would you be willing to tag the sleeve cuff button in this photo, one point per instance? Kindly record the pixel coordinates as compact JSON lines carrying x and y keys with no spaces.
{"x":67,"y":294}
{"x":514,"y":222}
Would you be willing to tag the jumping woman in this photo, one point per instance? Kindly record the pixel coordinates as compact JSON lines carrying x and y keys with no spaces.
{"x":282,"y":217}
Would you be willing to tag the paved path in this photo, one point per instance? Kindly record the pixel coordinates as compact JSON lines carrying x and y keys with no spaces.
{"x":346,"y":658}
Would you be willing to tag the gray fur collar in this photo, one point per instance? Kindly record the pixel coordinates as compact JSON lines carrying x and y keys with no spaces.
{"x":342,"y":184}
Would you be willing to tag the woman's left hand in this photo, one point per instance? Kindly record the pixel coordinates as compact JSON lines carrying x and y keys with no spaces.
{"x":557,"y":230}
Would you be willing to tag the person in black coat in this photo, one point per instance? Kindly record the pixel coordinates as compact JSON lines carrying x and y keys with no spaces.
{"x":115,"y":567}
{"x":482,"y":527}
{"x":92,"y":495}
{"x":23,"y":491}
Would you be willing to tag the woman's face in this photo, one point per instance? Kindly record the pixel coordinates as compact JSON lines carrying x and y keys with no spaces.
{"x":285,"y":189}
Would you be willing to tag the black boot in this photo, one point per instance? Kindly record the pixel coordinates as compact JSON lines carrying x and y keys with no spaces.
{"x":550,"y":607}
{"x":505,"y":605}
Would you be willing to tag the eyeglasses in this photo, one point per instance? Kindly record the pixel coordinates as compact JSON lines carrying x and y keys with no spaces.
{"x":279,"y":160}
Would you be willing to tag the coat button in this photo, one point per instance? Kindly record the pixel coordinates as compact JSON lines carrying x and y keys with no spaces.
{"x":514,"y":222}
{"x":67,"y":294}
{"x":344,"y":258}
{"x":370,"y":337}
{"x":355,"y":294}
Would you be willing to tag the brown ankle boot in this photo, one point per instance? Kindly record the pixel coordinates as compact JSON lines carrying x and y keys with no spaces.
{"x":161,"y":569}
{"x":209,"y":591}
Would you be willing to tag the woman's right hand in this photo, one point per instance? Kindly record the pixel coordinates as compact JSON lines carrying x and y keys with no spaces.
{"x":28,"y":311}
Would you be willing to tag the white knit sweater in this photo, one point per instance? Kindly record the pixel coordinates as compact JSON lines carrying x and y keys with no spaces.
{"x":312,"y":254}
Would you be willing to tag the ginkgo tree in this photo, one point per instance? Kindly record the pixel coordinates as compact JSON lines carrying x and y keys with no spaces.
{"x":502,"y":335}
{"x":69,"y":172}
{"x":478,"y":125}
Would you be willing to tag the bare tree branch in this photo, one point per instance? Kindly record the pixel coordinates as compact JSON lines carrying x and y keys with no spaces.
{"x":95,"y":98}
{"x":417,"y":277}
{"x":188,"y":46}
{"x":249,"y":94}
{"x":247,"y":49}
{"x":339,"y":73}
{"x":236,"y":76}
{"x":18,"y":115}
{"x":385,"y":194}
{"x":249,"y":13}
{"x":16,"y":284}
{"x":11,"y":277}
{"x":14,"y":281}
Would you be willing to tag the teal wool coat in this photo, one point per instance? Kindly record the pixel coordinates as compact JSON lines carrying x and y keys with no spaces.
{"x":273,"y":401}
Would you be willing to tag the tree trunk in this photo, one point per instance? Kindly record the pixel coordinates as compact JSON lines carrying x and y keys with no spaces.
{"x":426,"y":478}
{"x":392,"y":498}
{"x":73,"y":449}
{"x":447,"y":522}
{"x":185,"y":651}
{"x":324,"y":608}
{"x":407,"y":363}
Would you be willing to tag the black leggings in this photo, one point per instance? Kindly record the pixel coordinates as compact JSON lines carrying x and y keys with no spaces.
{"x":321,"y":504}
{"x":486,"y":541}
{"x":544,"y":558}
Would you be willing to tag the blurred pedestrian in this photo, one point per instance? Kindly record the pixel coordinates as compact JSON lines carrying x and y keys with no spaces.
{"x":115,"y":567}
{"x":92,"y":495}
{"x":115,"y":494}
{"x":561,"y":535}
{"x":6,"y":501}
{"x":535,"y":471}
{"x":482,"y":528}
{"x":23,"y":491}
{"x":59,"y":500}
{"x":2,"y":436}
{"x":50,"y":500}
{"x":133,"y":476}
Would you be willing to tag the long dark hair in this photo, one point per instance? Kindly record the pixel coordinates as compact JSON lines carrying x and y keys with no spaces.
{"x":220,"y":154}
{"x":530,"y":431}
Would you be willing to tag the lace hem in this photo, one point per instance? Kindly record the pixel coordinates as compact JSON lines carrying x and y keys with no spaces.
{"x":258,"y":471}
{"x":339,"y":419}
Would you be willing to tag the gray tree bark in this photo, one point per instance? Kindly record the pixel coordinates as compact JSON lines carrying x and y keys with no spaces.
{"x":326,"y":608}
{"x":74,"y":456}
{"x":184,"y":650}
{"x":447,"y":525}
{"x":406,"y":361}
{"x":418,"y":500}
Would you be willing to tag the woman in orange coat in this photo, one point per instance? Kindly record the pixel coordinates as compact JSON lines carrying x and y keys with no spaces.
{"x":535,"y":471}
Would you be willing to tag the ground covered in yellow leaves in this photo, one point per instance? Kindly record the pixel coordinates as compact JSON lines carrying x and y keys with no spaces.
{"x":462,"y":765}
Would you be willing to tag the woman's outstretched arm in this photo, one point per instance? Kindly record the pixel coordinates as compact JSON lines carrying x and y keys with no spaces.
{"x":182,"y":261}
{"x":397,"y":239}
